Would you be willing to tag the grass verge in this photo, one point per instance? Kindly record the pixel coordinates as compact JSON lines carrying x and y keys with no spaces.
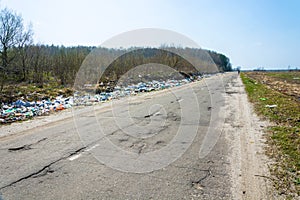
{"x":283,"y":136}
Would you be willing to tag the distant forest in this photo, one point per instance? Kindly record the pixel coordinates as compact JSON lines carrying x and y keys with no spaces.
{"x":22,"y":61}
{"x":41,"y":64}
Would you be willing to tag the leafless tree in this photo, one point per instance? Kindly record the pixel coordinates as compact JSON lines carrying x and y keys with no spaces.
{"x":12,"y":35}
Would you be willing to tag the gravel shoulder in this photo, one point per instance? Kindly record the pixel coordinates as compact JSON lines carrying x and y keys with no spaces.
{"x":245,"y":135}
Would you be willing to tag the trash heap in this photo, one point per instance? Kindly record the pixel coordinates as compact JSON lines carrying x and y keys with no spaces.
{"x":21,"y":110}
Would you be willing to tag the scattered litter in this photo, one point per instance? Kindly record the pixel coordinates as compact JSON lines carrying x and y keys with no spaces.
{"x":271,"y":106}
{"x":21,"y":110}
{"x":262,"y":99}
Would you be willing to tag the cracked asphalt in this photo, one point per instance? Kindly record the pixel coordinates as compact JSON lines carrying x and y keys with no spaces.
{"x":69,"y":159}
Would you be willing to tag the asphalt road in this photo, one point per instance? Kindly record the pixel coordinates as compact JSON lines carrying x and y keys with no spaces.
{"x":143,"y":147}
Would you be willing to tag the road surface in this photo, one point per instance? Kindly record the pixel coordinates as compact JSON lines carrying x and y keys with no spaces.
{"x":198,"y":141}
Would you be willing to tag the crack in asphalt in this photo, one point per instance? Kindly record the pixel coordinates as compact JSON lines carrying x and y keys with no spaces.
{"x":44,"y":170}
{"x":191,"y":183}
{"x":197,"y":183}
{"x":26,"y":146}
{"x":153,"y":114}
{"x":47,"y":168}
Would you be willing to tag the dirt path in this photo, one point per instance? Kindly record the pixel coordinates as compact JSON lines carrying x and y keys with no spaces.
{"x":244,"y":132}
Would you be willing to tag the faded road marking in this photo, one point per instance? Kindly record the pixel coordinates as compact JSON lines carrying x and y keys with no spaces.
{"x":80,"y":154}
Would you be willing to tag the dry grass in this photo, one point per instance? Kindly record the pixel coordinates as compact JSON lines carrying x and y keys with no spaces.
{"x":284,"y":135}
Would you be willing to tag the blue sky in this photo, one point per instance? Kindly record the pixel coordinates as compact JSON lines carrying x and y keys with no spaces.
{"x":252,"y":33}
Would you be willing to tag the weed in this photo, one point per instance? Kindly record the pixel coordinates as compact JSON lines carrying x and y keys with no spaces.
{"x":283,"y":136}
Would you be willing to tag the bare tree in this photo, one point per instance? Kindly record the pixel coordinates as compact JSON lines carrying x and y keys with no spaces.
{"x":12,"y":35}
{"x":23,"y":49}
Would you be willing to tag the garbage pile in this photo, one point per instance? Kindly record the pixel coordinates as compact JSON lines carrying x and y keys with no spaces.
{"x":21,"y":110}
{"x":150,"y":86}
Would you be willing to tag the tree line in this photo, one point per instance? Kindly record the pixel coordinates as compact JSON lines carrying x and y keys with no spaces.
{"x":22,"y":61}
{"x":190,"y":61}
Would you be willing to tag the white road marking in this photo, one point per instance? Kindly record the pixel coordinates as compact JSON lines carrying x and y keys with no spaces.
{"x":154,"y":114}
{"x":75,"y":157}
{"x":93,"y":147}
{"x":80,"y":154}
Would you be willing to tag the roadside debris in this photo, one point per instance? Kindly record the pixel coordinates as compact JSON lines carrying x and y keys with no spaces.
{"x":21,"y":110}
{"x":271,"y":106}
